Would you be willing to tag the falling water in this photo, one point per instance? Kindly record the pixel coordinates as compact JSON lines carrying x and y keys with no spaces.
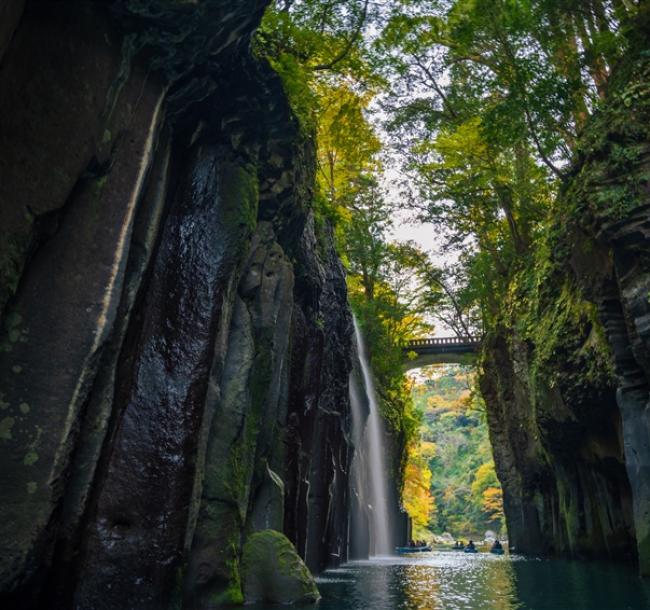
{"x":375,"y":453}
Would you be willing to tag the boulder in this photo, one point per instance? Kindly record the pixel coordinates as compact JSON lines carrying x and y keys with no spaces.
{"x":273,"y":572}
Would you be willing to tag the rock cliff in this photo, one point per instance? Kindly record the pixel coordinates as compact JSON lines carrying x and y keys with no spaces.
{"x":175,"y":345}
{"x":565,"y":371}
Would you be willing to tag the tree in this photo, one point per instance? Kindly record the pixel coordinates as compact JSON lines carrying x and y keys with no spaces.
{"x":486,"y":103}
{"x":418,"y":501}
{"x":487,"y":494}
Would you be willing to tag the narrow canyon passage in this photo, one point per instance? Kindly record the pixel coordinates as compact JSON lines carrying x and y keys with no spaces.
{"x":228,"y":231}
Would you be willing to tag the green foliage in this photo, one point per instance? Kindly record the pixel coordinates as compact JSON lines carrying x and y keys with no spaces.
{"x":418,"y":500}
{"x":487,"y":105}
{"x":466,"y":491}
{"x":613,"y":175}
{"x":314,"y":45}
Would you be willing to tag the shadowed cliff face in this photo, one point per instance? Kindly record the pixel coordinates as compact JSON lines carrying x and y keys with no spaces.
{"x":174,"y":356}
{"x":558,"y":452}
{"x":613,"y":211}
{"x":567,"y":381}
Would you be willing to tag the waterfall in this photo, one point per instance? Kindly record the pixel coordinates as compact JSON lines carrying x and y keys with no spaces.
{"x":372,"y":444}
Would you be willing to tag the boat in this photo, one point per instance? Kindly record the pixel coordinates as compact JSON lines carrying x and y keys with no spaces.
{"x":470,"y":550}
{"x":413,"y":549}
{"x":497,"y":551}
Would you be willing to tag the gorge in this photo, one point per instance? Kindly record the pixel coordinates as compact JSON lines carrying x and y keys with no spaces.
{"x":179,"y":363}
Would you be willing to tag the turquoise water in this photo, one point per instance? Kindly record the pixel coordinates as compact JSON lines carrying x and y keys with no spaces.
{"x":456,"y":581}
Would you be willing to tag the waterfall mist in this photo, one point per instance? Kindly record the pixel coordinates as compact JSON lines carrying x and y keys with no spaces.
{"x":371,"y":442}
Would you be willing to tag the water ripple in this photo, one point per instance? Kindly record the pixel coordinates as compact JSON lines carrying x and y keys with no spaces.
{"x":458,"y":581}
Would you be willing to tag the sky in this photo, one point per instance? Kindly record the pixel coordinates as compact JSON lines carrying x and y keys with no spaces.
{"x":422,"y":234}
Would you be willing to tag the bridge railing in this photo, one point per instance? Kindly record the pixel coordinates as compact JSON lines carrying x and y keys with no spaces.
{"x":442,"y":341}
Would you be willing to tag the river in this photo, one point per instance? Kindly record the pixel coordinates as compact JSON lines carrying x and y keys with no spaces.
{"x":456,"y":581}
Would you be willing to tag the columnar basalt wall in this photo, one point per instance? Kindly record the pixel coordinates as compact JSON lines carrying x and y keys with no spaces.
{"x":613,"y":211}
{"x":175,"y":345}
{"x":558,"y":451}
{"x":566,"y":377}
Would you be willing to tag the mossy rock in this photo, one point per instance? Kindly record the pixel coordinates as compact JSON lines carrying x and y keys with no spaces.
{"x":273,"y":572}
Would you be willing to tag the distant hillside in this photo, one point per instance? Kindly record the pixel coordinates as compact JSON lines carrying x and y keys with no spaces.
{"x":467,"y":494}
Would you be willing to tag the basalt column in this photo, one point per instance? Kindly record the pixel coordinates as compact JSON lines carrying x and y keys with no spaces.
{"x":175,"y":343}
{"x":137,"y":532}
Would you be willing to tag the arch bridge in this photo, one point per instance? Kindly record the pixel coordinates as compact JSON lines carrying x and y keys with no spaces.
{"x":440,"y":350}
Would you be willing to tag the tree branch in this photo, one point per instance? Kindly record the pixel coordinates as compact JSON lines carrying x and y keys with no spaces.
{"x":346,"y":49}
{"x":436,"y":88}
{"x":454,"y":303}
{"x":538,"y":145}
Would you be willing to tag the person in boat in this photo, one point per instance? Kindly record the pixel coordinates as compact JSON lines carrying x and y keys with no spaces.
{"x":470,"y":545}
{"x":412,"y":544}
{"x":496,"y":546}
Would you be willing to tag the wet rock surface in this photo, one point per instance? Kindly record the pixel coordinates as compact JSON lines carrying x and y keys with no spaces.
{"x":318,"y":407}
{"x":559,"y":457}
{"x":137,"y":533}
{"x":174,"y":353}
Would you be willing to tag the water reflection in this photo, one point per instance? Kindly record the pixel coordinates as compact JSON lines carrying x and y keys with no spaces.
{"x":455,"y":581}
{"x":421,"y":587}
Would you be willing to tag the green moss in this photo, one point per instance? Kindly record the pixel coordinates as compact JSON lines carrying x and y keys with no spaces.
{"x":273,"y":571}
{"x":13,"y":320}
{"x":547,"y":311}
{"x":179,"y":583}
{"x":233,"y":594}
{"x":12,"y":258}
{"x":239,"y":472}
{"x":6,"y":426}
{"x":239,"y":190}
{"x":31,"y":457}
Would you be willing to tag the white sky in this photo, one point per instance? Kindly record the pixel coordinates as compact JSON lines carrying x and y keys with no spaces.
{"x":421,"y":233}
{"x":406,"y":228}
